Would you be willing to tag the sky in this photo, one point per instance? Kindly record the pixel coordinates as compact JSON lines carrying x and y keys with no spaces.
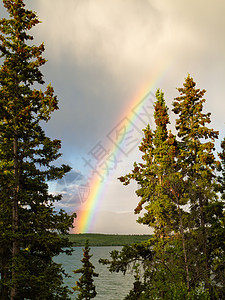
{"x":106,"y":58}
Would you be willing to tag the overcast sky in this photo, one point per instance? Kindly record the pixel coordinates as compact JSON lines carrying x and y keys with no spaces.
{"x":100,"y":54}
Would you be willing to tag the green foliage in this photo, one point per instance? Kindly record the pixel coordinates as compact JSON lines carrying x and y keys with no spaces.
{"x":153,"y":174}
{"x":158,"y":270}
{"x":198,"y":164}
{"x":85,"y":285}
{"x":96,"y":239}
{"x":29,"y":225}
{"x":181,"y":197}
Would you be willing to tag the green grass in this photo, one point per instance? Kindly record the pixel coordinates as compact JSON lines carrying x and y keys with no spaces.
{"x":96,"y":239}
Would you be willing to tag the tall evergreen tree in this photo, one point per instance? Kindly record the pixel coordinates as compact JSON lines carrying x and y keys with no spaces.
{"x":29,"y":225}
{"x":157,"y":147}
{"x":161,"y":187}
{"x":85,"y":285}
{"x":198,"y":166}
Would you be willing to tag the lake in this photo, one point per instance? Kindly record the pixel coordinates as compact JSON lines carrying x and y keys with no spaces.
{"x":109,"y":286}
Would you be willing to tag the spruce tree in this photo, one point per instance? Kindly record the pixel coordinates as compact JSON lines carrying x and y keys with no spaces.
{"x":29,"y":224}
{"x":161,"y":190}
{"x":85,"y":285}
{"x":159,"y":211}
{"x":198,"y":166}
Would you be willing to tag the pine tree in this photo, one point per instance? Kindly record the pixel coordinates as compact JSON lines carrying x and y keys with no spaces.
{"x":29,"y":224}
{"x":85,"y":285}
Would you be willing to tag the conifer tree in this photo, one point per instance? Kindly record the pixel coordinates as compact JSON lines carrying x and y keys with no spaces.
{"x":198,"y":166}
{"x":157,"y":148}
{"x":85,"y":285}
{"x":29,"y":224}
{"x":161,"y":186}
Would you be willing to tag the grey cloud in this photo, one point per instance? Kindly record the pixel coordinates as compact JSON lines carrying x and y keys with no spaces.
{"x":74,"y":188}
{"x":96,"y":52}
{"x":105,"y":34}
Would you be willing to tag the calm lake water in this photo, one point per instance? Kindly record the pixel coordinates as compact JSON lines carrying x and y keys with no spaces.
{"x":109,"y":286}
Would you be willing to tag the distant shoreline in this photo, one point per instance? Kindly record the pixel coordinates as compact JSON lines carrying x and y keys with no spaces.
{"x":100,"y":239}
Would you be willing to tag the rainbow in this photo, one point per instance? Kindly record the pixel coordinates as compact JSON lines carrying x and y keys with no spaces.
{"x":88,"y":212}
